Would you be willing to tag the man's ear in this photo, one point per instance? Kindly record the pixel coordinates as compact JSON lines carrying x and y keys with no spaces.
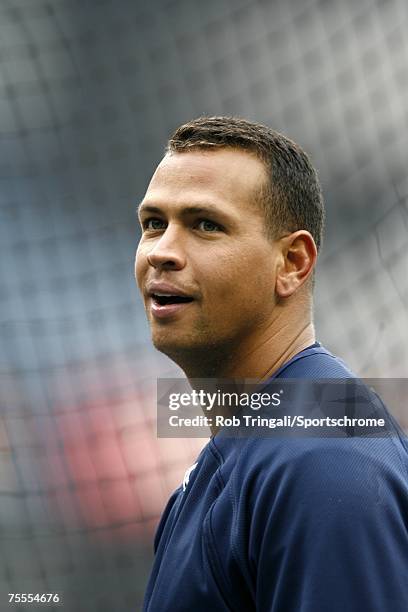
{"x":298,"y":258}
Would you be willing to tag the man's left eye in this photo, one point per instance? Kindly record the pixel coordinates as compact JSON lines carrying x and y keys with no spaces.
{"x":208,"y":226}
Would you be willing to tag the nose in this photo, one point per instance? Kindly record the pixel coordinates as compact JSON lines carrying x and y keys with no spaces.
{"x":168,"y":253}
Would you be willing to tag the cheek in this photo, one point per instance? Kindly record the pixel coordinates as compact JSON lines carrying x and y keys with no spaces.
{"x":140,"y":264}
{"x":218,"y":276}
{"x":225,"y":277}
{"x":245,"y":279}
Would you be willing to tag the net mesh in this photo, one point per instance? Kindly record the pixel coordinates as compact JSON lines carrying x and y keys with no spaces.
{"x":89,"y":92}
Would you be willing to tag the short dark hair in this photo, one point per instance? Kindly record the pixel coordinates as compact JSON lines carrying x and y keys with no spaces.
{"x":292,"y":198}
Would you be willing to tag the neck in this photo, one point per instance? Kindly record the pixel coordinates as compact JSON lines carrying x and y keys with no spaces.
{"x":258,"y":356}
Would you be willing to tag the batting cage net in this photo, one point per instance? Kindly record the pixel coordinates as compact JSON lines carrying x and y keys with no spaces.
{"x":89,"y":92}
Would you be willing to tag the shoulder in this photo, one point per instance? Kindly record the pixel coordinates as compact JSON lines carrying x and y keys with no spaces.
{"x":315,"y":362}
{"x":330,"y":474}
{"x":321,"y":512}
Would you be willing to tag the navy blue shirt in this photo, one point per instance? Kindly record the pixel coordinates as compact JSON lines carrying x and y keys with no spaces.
{"x":288,"y":525}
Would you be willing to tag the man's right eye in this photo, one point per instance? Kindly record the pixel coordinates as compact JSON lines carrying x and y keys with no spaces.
{"x":153,"y":224}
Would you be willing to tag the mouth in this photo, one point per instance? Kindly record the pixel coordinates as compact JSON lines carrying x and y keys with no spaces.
{"x":166,"y":305}
{"x":164,"y":300}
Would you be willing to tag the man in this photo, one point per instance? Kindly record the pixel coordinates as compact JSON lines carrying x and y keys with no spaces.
{"x":232,"y":223}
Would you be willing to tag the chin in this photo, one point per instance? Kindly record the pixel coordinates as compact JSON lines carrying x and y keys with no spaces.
{"x":188,"y":351}
{"x":170,"y":344}
{"x":181,"y":349}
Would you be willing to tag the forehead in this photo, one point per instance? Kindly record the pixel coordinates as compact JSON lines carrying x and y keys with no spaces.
{"x":221,"y":175}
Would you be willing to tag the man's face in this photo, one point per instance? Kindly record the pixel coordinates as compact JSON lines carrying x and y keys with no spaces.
{"x":204,"y":266}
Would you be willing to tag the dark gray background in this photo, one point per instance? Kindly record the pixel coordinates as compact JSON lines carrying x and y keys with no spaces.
{"x":89,"y":92}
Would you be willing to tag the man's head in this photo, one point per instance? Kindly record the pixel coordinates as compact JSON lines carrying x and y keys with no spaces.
{"x":231,"y":220}
{"x":290,"y":195}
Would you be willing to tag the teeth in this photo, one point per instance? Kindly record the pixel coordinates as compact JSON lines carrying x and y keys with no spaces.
{"x":163,"y":294}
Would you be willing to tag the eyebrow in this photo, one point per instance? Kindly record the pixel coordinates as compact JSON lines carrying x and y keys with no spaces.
{"x":188,"y":210}
{"x":147,"y":208}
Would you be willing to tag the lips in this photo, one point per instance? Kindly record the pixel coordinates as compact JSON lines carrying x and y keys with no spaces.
{"x":166,"y":300}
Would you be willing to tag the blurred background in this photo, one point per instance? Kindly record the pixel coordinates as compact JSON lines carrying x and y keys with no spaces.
{"x":89,"y":92}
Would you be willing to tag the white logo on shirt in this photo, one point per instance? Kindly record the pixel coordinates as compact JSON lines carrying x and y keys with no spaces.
{"x":187,"y":475}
